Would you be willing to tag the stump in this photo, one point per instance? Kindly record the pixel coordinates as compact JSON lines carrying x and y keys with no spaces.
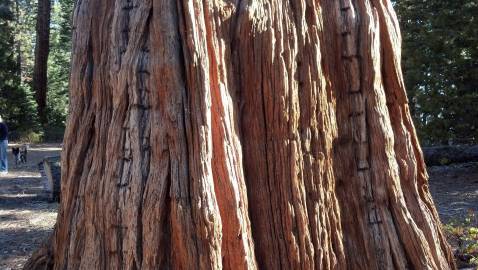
{"x":50,"y":169}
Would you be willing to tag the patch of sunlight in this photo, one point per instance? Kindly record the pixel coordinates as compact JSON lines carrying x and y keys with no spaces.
{"x":46,"y":149}
{"x":14,"y":196}
{"x":46,"y":220}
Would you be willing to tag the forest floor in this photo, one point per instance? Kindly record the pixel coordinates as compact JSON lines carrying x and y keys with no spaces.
{"x":27,"y":218}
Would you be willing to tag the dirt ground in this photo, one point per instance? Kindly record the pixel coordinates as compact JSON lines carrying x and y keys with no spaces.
{"x":27,"y":219}
{"x":455,"y":190}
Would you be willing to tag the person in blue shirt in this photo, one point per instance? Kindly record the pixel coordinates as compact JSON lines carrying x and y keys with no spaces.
{"x":3,"y":147}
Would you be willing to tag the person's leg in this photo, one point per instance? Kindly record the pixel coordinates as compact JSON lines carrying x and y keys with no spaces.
{"x":3,"y":156}
{"x":6,"y":154}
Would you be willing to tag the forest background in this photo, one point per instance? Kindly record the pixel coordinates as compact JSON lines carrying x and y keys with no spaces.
{"x":439,"y":59}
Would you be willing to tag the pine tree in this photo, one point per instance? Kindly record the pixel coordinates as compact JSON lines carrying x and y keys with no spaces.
{"x":42,"y":50}
{"x":16,"y":105}
{"x":441,"y":67}
{"x":59,"y":69}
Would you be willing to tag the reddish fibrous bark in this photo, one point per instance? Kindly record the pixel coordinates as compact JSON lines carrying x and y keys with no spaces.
{"x":241,"y":135}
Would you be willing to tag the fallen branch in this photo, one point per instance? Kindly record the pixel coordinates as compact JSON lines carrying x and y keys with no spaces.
{"x":445,"y":155}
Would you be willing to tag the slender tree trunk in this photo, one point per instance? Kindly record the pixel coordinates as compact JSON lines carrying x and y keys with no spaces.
{"x":241,"y":135}
{"x":18,"y":42}
{"x":42,"y":49}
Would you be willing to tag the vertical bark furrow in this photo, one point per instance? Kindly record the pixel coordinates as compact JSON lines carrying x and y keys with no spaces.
{"x":259,"y":115}
{"x":237,"y":246}
{"x":372,"y":189}
{"x":136,"y":156}
{"x":360,"y":220}
{"x":317,"y":130}
{"x":256,"y":171}
{"x":383,"y":171}
{"x":199,"y":132}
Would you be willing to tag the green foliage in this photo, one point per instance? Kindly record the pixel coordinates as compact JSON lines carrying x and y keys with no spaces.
{"x":59,"y":63}
{"x":16,"y":103}
{"x":25,"y":38}
{"x":463,"y":235}
{"x":29,"y":136}
{"x":444,"y":161}
{"x":17,"y":44}
{"x":440,"y":62}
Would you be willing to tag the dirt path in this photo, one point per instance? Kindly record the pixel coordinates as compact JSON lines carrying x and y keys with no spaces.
{"x":455,"y":190}
{"x":27,"y":219}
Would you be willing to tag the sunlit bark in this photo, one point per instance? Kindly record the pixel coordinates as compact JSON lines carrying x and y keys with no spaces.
{"x":241,"y":135}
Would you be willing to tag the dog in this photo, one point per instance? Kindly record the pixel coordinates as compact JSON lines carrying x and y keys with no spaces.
{"x":20,"y":154}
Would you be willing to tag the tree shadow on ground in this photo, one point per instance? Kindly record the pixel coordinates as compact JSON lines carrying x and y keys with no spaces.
{"x":27,"y":217}
{"x":16,"y":245}
{"x":455,"y":190}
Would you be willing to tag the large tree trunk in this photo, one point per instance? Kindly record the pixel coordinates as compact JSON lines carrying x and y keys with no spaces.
{"x":42,"y":49}
{"x":241,"y":135}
